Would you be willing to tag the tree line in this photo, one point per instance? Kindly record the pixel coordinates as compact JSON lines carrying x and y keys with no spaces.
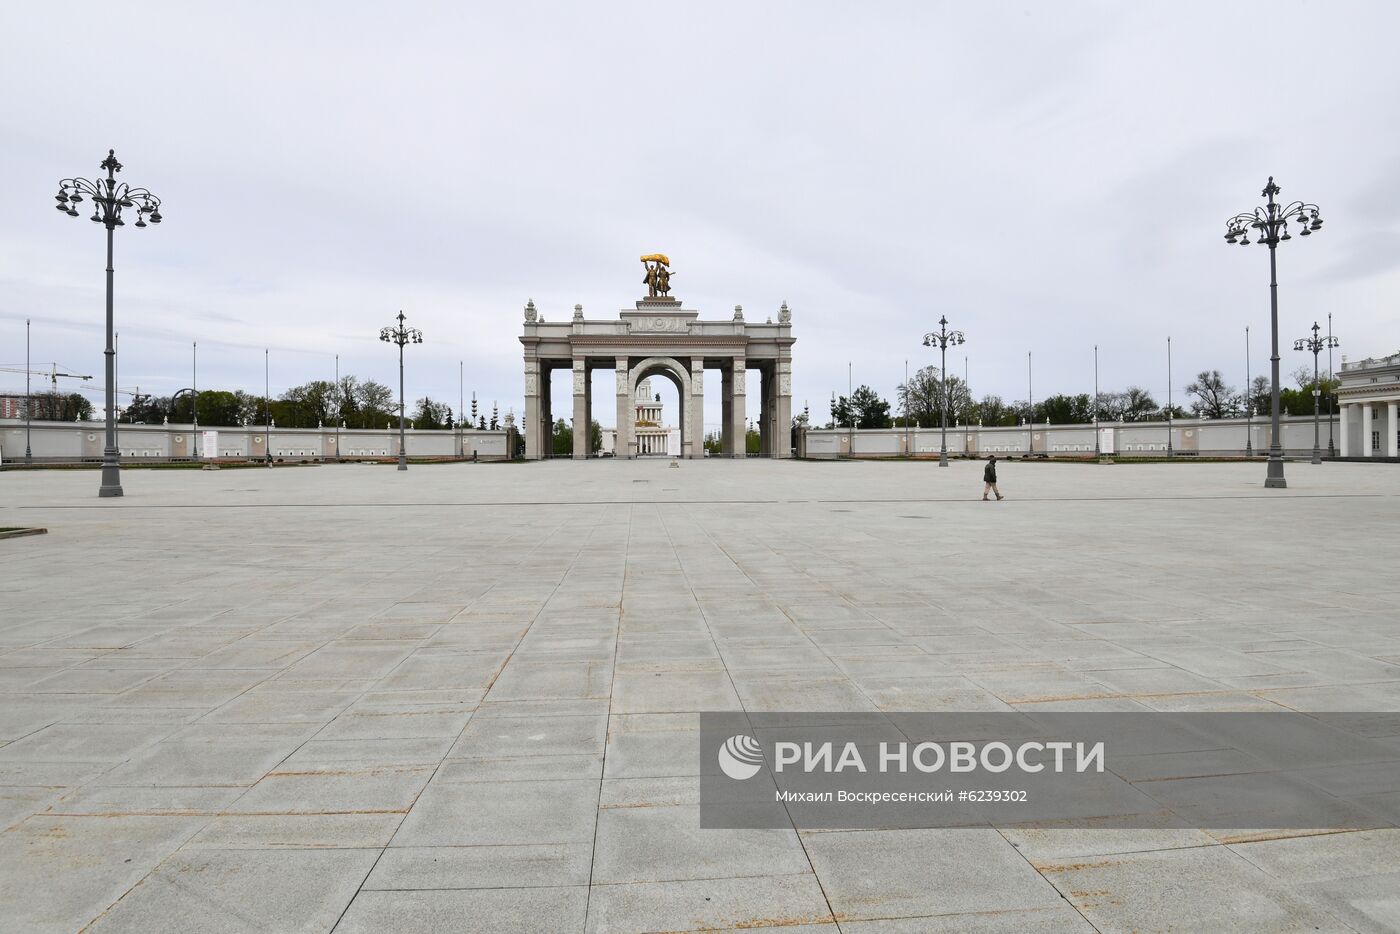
{"x":352,"y":403}
{"x":1209,"y":395}
{"x":58,"y":407}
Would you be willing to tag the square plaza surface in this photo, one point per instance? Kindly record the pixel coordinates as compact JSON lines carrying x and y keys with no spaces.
{"x":464,"y":697}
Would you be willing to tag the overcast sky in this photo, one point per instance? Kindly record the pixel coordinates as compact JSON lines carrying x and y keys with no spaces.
{"x":1048,"y":175}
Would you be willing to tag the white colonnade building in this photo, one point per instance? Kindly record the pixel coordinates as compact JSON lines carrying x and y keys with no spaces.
{"x":1369,"y":396}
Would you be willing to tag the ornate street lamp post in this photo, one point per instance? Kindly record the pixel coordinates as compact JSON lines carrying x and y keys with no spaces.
{"x":943,"y":339}
{"x":401,"y":335}
{"x":1315,"y":344}
{"x":109,"y":197}
{"x":1271,"y":221}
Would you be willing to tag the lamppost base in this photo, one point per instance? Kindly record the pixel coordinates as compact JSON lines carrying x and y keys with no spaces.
{"x":942,"y":458}
{"x":111,"y":481}
{"x":1331,"y":449}
{"x":1274,"y":479}
{"x":403,"y":464}
{"x":1317,"y":456}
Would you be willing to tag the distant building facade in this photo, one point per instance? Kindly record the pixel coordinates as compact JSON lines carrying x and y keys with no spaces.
{"x":654,"y":437}
{"x":1369,"y":395}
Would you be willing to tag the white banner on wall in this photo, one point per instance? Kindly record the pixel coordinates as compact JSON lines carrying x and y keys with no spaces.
{"x":211,"y":444}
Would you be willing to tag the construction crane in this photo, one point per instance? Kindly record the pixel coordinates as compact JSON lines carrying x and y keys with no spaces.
{"x":52,"y":373}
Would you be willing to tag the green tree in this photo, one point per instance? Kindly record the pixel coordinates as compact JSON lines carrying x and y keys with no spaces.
{"x":595,"y":435}
{"x":1112,"y":405}
{"x":1259,"y":395}
{"x":146,"y":409}
{"x":865,"y":409}
{"x":562,"y":443}
{"x":374,"y":403}
{"x":922,"y":398}
{"x":753,"y":441}
{"x":309,"y":404}
{"x":429,"y":415}
{"x":1213,"y":398}
{"x":992,"y":411}
{"x":1065,"y":410}
{"x":59,"y":407}
{"x":218,"y":407}
{"x":1300,"y":401}
{"x":1138,"y":405}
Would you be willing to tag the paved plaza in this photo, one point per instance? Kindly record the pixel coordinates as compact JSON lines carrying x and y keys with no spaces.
{"x":465,"y":697}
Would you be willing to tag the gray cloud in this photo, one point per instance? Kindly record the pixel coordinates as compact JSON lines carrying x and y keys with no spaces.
{"x":1049,"y":176}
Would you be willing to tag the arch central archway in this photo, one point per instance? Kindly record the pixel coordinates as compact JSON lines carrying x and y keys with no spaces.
{"x":673,"y":370}
{"x":661,"y":338}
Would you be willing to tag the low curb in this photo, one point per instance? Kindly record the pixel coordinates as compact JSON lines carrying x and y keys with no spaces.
{"x":18,"y":533}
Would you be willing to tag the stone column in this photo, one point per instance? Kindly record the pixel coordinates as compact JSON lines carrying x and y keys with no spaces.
{"x":626,"y":442}
{"x":767,"y":407}
{"x":1365,"y":429}
{"x":581,"y":413}
{"x":726,"y":405}
{"x":534,"y":448}
{"x":782,"y":435}
{"x":696,"y":411}
{"x":738,"y":432}
{"x":1343,"y":426}
{"x":546,"y":411}
{"x":1390,"y":432}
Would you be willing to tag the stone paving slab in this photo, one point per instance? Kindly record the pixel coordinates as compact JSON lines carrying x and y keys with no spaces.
{"x":464,"y":697}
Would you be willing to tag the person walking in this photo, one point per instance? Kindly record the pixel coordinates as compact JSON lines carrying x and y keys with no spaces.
{"x":989,"y":477}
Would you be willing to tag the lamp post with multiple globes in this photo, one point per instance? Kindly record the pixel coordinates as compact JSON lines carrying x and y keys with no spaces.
{"x":401,"y":335}
{"x":1270,"y":224}
{"x":109,"y":198}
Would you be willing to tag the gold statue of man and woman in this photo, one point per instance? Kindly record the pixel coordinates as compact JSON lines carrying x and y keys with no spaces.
{"x":658,"y":274}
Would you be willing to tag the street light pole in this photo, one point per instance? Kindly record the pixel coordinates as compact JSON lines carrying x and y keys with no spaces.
{"x":401,"y":335}
{"x":1169,"y":395}
{"x":28,"y":400}
{"x":1315,"y":344}
{"x":1098,"y":452}
{"x":1271,"y":221}
{"x":339,"y":408}
{"x":194,"y":400}
{"x":1331,"y":342}
{"x":108,"y":198}
{"x":267,"y":411}
{"x":1030,"y":406}
{"x":1248,"y":401}
{"x":943,"y":339}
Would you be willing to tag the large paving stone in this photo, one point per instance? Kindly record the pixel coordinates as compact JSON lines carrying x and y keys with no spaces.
{"x":242,"y":892}
{"x":486,"y":678}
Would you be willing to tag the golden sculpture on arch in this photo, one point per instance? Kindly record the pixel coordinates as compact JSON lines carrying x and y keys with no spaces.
{"x":658,"y":274}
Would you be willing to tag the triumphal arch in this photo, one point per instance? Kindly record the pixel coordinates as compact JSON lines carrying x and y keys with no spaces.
{"x":661,"y":338}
